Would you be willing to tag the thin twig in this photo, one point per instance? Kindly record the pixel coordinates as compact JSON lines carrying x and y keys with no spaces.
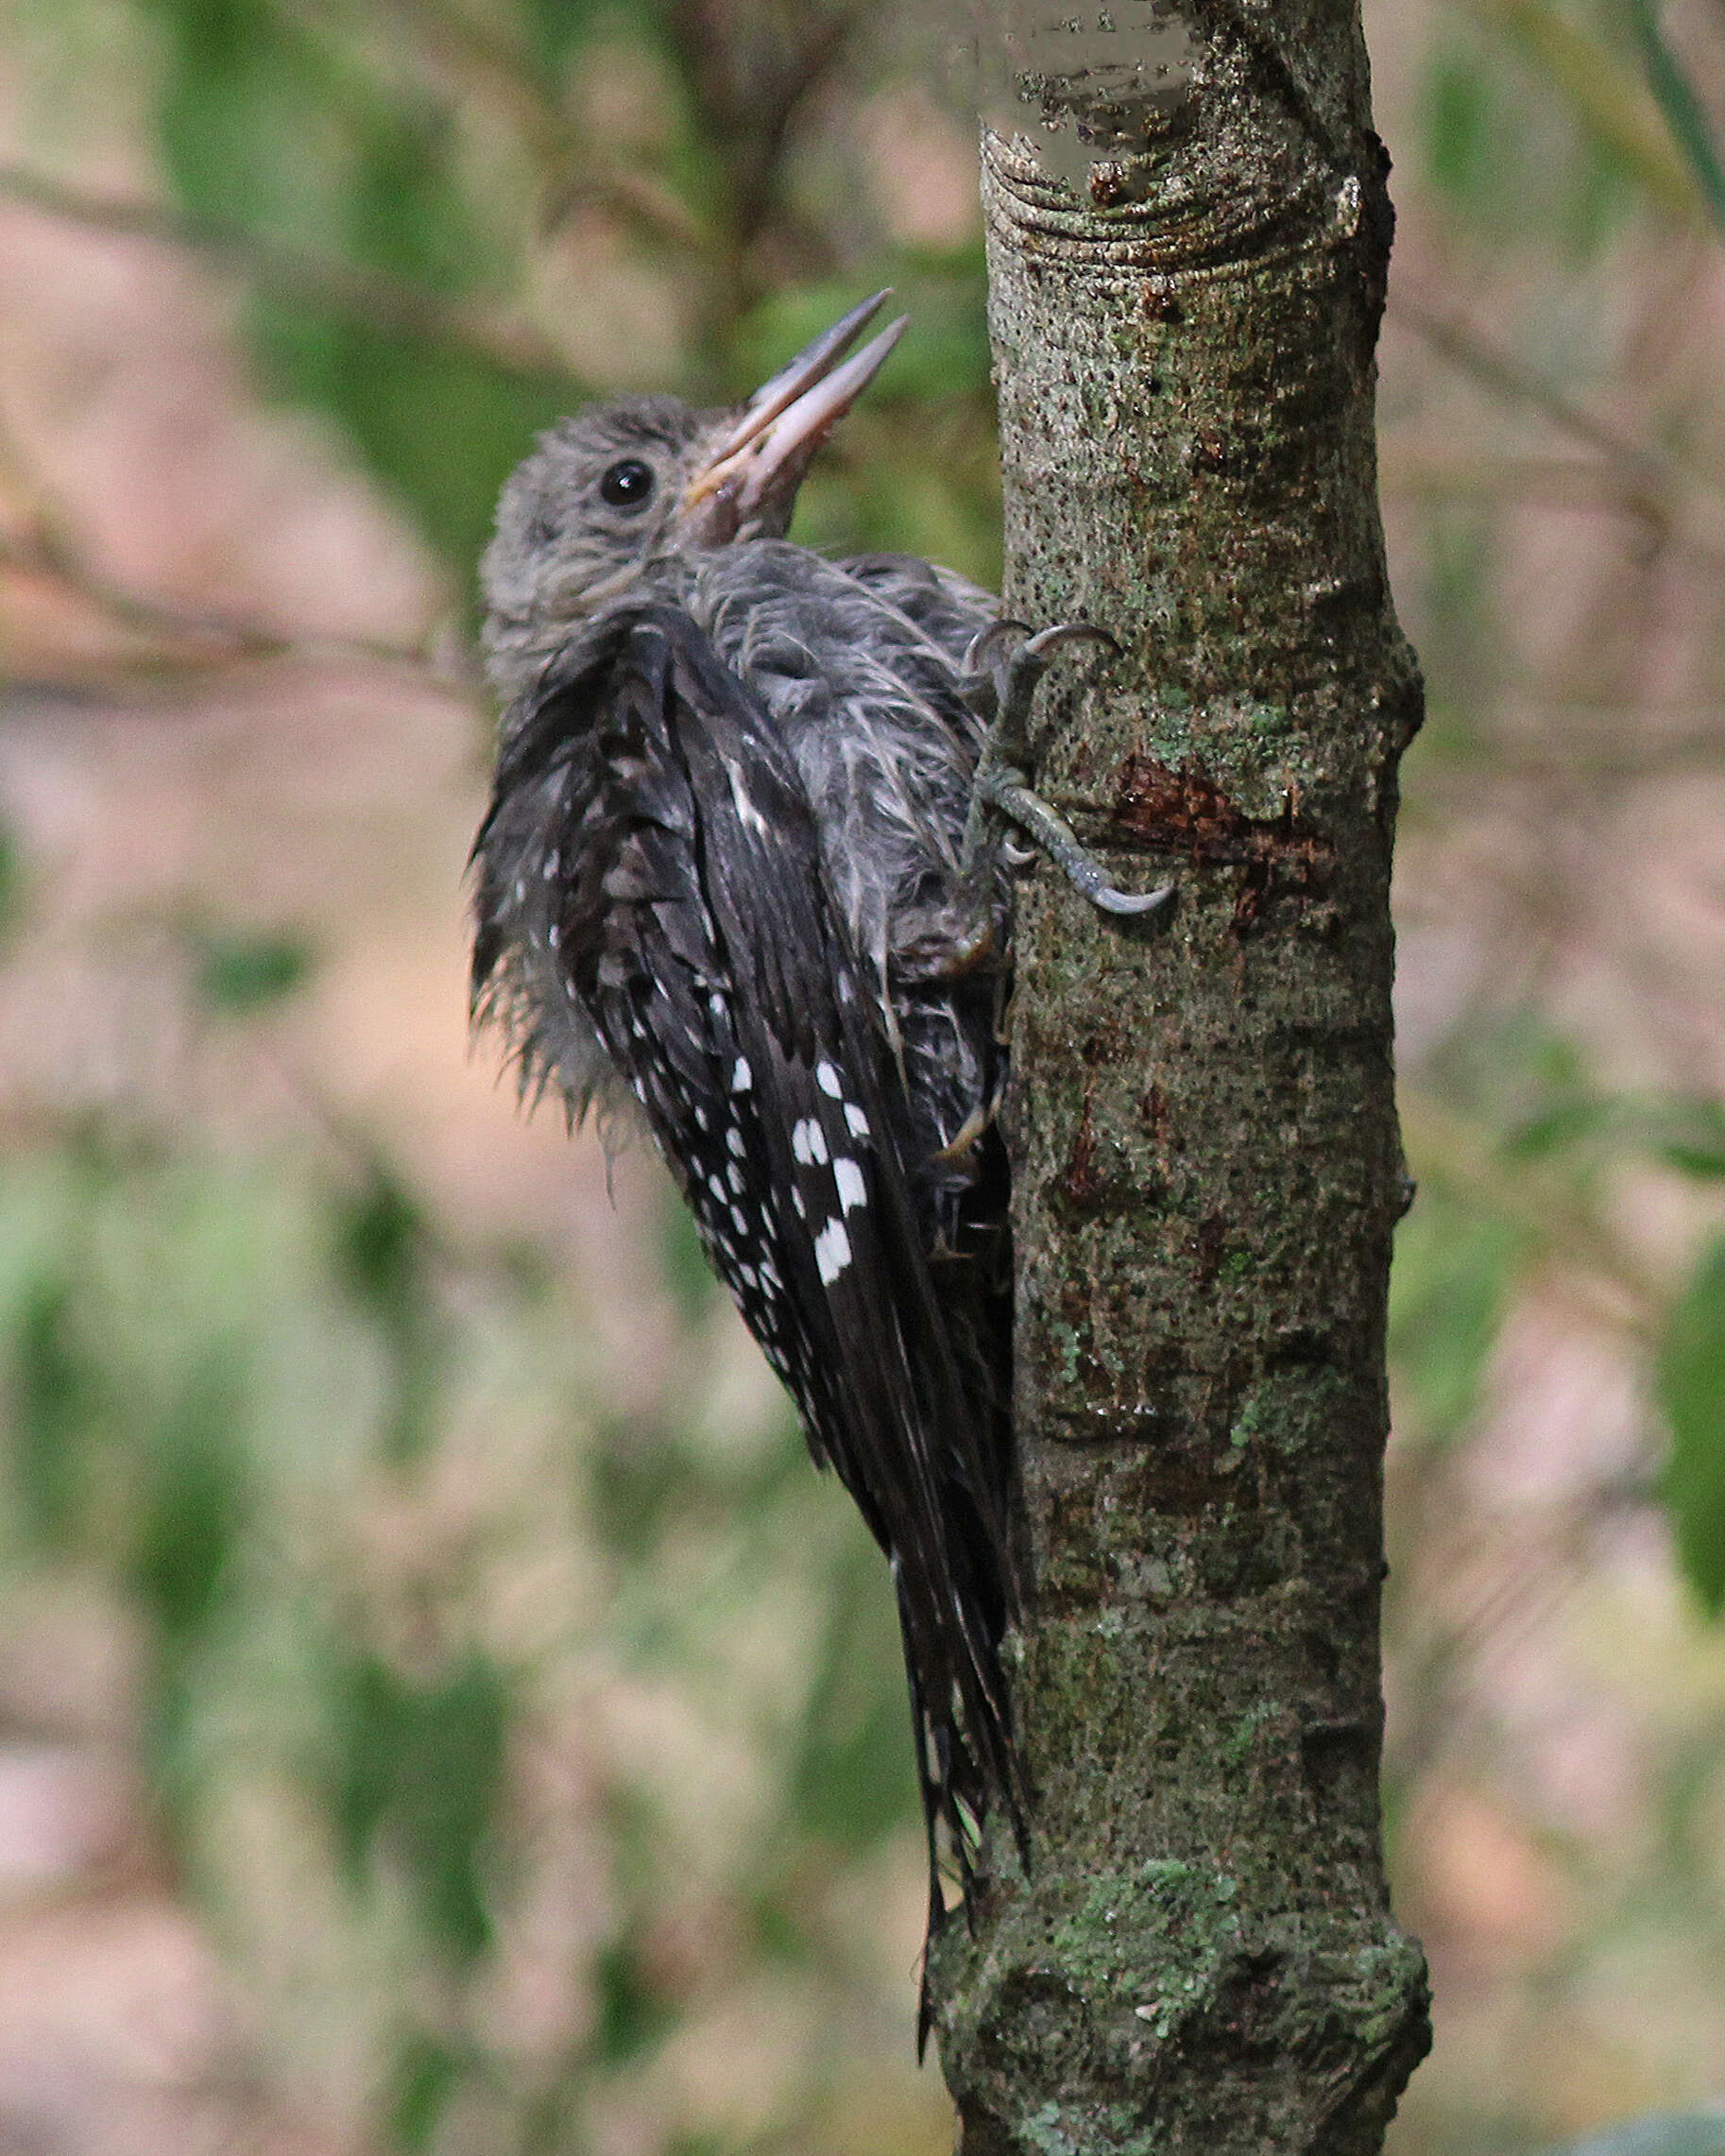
{"x":389,"y":304}
{"x":751,"y":123}
{"x":1559,"y":481}
{"x":634,"y":198}
{"x":47,"y":549}
{"x":1655,"y":484}
{"x":1518,"y":382}
{"x":490,"y":69}
{"x":1556,"y":483}
{"x":44,"y":552}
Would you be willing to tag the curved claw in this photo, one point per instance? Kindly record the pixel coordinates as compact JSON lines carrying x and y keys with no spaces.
{"x":1051,"y":638}
{"x":1053,"y":836}
{"x":1134,"y":903}
{"x":983,"y":637}
{"x":1001,"y":790}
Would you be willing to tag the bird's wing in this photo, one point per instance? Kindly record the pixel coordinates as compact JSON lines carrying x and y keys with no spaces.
{"x":695,"y":923}
{"x":546,"y":761}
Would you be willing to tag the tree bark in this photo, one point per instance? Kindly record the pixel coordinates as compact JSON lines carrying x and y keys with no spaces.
{"x":1200,"y":1956}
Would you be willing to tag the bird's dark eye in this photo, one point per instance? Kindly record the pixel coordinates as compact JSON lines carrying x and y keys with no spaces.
{"x":627,"y":485}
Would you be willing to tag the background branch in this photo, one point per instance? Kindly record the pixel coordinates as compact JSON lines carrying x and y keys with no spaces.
{"x":386,"y":303}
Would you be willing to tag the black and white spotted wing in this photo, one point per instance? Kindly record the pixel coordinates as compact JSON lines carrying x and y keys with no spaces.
{"x":695,"y":927}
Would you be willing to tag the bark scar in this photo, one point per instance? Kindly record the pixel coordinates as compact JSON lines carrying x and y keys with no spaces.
{"x":1186,"y":811}
{"x":1080,"y":1182}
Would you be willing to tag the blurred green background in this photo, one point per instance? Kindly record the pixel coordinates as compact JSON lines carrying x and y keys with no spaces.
{"x":439,"y":1709}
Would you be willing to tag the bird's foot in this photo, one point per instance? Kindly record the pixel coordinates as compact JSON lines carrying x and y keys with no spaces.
{"x":1006,"y":663}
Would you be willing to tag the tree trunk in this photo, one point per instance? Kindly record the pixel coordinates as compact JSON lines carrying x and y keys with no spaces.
{"x":1200,"y":1957}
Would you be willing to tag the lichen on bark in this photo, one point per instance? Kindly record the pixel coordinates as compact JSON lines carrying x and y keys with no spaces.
{"x":1200,"y":1955}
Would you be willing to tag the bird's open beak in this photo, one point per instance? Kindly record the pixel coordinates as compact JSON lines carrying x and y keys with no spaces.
{"x":748,"y":483}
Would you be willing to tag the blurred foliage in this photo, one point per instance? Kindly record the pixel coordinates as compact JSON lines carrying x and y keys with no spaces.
{"x":1666,"y":2136}
{"x":404,"y":180}
{"x":528,"y":1732}
{"x":1684,"y":114}
{"x":203,"y":1365}
{"x":240,"y":973}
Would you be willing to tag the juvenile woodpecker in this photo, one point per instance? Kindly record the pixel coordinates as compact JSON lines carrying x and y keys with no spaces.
{"x":743,"y":863}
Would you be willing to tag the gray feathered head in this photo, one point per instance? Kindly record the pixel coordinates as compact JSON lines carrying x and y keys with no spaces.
{"x":608,"y":495}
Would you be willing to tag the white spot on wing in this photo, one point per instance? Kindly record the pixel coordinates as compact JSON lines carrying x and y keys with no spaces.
{"x":751,"y":816}
{"x":827,"y":1078}
{"x":848,"y":1176}
{"x":809,"y":1142}
{"x":831,"y":1252}
{"x":856,"y":1119}
{"x":741,"y":1077}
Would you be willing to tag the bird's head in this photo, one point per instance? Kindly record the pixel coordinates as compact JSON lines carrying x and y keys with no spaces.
{"x":607,"y":494}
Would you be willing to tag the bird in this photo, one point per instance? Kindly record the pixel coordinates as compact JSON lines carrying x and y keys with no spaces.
{"x":745,"y":875}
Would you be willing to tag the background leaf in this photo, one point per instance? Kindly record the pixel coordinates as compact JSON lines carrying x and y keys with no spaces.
{"x":1692,"y":1391}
